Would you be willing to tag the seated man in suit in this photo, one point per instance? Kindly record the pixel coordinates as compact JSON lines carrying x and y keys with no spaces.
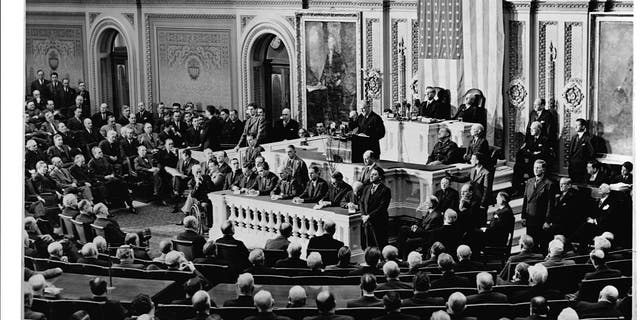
{"x":287,"y":188}
{"x":449,"y":234}
{"x":248,"y":180}
{"x":112,"y":308}
{"x":101,"y":170}
{"x":456,"y":304}
{"x":184,"y":174}
{"x":234,"y":175}
{"x":190,"y":234}
{"x":597,"y":259}
{"x":139,"y":252}
{"x":209,"y":252}
{"x":595,"y":174}
{"x":444,"y":151}
{"x":253,"y":150}
{"x":556,"y":255}
{"x":199,"y":187}
{"x":147,"y":169}
{"x":478,"y":142}
{"x":539,"y":309}
{"x":344,"y":260}
{"x":316,"y":189}
{"x":314,"y":263}
{"x":484,"y":283}
{"x":326,"y":240}
{"x":449,"y":279}
{"x":390,"y":253}
{"x":464,"y":260}
{"x":526,"y":254}
{"x":66,"y":183}
{"x":338,"y":190}
{"x":297,"y":297}
{"x":537,"y":146}
{"x":149,"y":139}
{"x":281,"y":242}
{"x":267,"y":180}
{"x":372,"y":256}
{"x":202,"y":303}
{"x":125,"y":255}
{"x":245,"y":288}
{"x":256,"y":259}
{"x":368,"y":285}
{"x":60,"y":150}
{"x":604,"y":308}
{"x":421,"y":286}
{"x":538,"y":275}
{"x":392,"y":272}
{"x":238,"y":256}
{"x":326,"y":303}
{"x":416,"y":235}
{"x":606,"y":215}
{"x":263,"y":301}
{"x":89,"y":254}
{"x":112,"y":232}
{"x":392,"y":304}
{"x":448,"y":197}
{"x":294,"y":250}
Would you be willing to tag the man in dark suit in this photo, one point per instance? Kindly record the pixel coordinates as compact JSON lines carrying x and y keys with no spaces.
{"x":604,"y":308}
{"x":68,"y":95}
{"x":211,"y":130}
{"x":595,"y":174}
{"x":232,"y":127}
{"x":471,"y":111}
{"x":431,"y":108}
{"x":421,"y":286}
{"x":239,"y":255}
{"x":254,"y":125}
{"x":326,"y":240}
{"x":372,"y":256}
{"x":369,"y":131}
{"x":580,"y":151}
{"x":369,"y":161}
{"x":464,"y":260}
{"x":112,"y":232}
{"x":536,"y":146}
{"x":444,"y":151}
{"x":234,"y":175}
{"x":545,"y":118}
{"x":526,"y":254}
{"x":410,"y":237}
{"x":478,"y":143}
{"x":70,"y":110}
{"x":248,"y":179}
{"x":89,"y":135}
{"x":101,"y":117}
{"x":245,"y":292}
{"x":538,"y":286}
{"x":89,"y":254}
{"x":294,"y":250}
{"x":267,"y":180}
{"x":539,"y":195}
{"x":392,"y":304}
{"x":449,"y":279}
{"x":539,"y":309}
{"x":190,"y":234}
{"x":41,"y":84}
{"x":126,"y":256}
{"x":456,"y":304}
{"x":264,"y":302}
{"x":281,"y":242}
{"x":317,"y":188}
{"x":75,"y":122}
{"x":392,"y":273}
{"x":86,"y":99}
{"x":326,"y":303}
{"x":373,"y":205}
{"x":286,"y":128}
{"x":449,"y":234}
{"x":55,"y":91}
{"x":597,"y":258}
{"x":484,"y":283}
{"x":147,"y":169}
{"x":368,"y":285}
{"x":298,"y":166}
{"x":338,"y":190}
{"x":481,"y":182}
{"x":448,"y":198}
{"x":606,"y":215}
{"x":568,"y":210}
{"x":112,"y":308}
{"x":144,"y":113}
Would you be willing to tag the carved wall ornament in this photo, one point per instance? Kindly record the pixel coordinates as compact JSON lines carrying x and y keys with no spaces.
{"x":415,"y":30}
{"x":517,"y":93}
{"x":92,"y":17}
{"x":193,"y":67}
{"x":394,"y":58}
{"x":373,"y":83}
{"x":292,"y":20}
{"x":244,"y":20}
{"x":573,"y":96}
{"x":130,"y":17}
{"x":369,"y":41}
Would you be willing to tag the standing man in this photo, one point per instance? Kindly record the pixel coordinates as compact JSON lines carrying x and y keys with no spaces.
{"x":370,"y":130}
{"x":86,"y":99}
{"x":370,"y":164}
{"x":298,"y":166}
{"x":253,"y":125}
{"x":55,"y":90}
{"x":144,"y":113}
{"x":68,"y":96}
{"x":580,"y":152}
{"x":211,"y":131}
{"x":544,"y":116}
{"x":70,"y":110}
{"x":286,"y":128}
{"x":539,"y":193}
{"x":374,"y":204}
{"x":101,"y":117}
{"x":41,"y":84}
{"x":232,"y":128}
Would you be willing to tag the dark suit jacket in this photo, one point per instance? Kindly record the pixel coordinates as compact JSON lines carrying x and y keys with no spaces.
{"x":68,"y":97}
{"x":337,"y":193}
{"x":239,"y":260}
{"x":231,"y":131}
{"x":231,"y":179}
{"x":600,"y":309}
{"x":538,"y":201}
{"x":325,"y":241}
{"x":43,"y":88}
{"x":64,"y":153}
{"x":85,"y":137}
{"x":267,"y":184}
{"x":277,"y":243}
{"x":240,"y":301}
{"x":56,"y":94}
{"x":468,"y":265}
{"x":520,"y":257}
{"x":97,"y":120}
{"x":288,"y":189}
{"x":112,"y":232}
{"x":449,"y":235}
{"x":288,"y":132}
{"x":479,"y":145}
{"x":365,"y":301}
{"x":210,"y":134}
{"x":568,"y":209}
{"x":434,"y":109}
{"x":290,"y":263}
{"x":549,"y":128}
{"x":500,"y":226}
{"x":602,"y":272}
{"x":487,"y":297}
{"x":392,"y":284}
{"x":450,"y":280}
{"x":111,"y":149}
{"x":166,"y":159}
{"x":328,"y":317}
{"x":473,"y":114}
{"x":422,"y":299}
{"x":373,"y":126}
{"x":314,"y":194}
{"x":74,"y":124}
{"x":299,"y":170}
{"x":376,"y":204}
{"x":364,"y":176}
{"x":204,"y":188}
{"x":112,"y":308}
{"x":249,"y":182}
{"x":397,"y":316}
{"x":431,"y":221}
{"x":481,"y":184}
{"x":444,"y":152}
{"x":197,"y":240}
{"x":128,"y":148}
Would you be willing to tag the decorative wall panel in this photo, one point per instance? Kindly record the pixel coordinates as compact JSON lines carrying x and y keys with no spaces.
{"x":57,"y":48}
{"x":369,"y":42}
{"x":573,"y":97}
{"x":516,"y":88}
{"x":395,"y":59}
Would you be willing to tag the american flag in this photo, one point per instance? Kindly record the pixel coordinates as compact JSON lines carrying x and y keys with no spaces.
{"x":461,"y":46}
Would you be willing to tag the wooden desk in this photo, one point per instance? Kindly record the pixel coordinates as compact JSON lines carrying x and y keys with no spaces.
{"x":413,"y":141}
{"x":76,"y":286}
{"x":280,"y":293}
{"x":257,"y":219}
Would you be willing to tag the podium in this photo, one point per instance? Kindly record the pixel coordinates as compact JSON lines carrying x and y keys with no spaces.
{"x":339,"y":149}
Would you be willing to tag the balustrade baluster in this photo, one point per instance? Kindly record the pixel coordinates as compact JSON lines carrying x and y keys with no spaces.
{"x":303,"y":228}
{"x":294,"y":223}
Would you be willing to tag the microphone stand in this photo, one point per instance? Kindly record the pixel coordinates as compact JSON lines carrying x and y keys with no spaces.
{"x":110,"y":287}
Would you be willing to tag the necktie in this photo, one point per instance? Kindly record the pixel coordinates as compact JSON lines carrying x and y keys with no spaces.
{"x":374,"y":188}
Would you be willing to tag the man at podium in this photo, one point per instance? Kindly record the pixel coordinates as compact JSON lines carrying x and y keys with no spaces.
{"x":369,"y":131}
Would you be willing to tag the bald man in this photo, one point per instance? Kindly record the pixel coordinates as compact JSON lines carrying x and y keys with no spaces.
{"x":297,"y":297}
{"x":326,"y":303}
{"x":286,"y":128}
{"x":370,"y":129}
{"x":264,"y":302}
{"x":538,"y":309}
{"x":484,"y":283}
{"x":244,"y":287}
{"x":604,"y":308}
{"x":201,"y":302}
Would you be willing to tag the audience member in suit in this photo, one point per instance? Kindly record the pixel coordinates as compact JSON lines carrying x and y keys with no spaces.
{"x":537,"y":286}
{"x":41,"y":84}
{"x":60,"y":150}
{"x":481,"y":183}
{"x":370,"y":129}
{"x":89,"y":254}
{"x":248,"y":180}
{"x":112,"y":232}
{"x":544,"y":117}
{"x":390,"y":253}
{"x":580,"y":152}
{"x":520,"y":276}
{"x":245,"y":292}
{"x":338,"y":190}
{"x":597,"y":259}
{"x":297,"y":297}
{"x":538,"y":201}
{"x":448,"y":198}
{"x":210,"y":255}
{"x":147,"y":169}
{"x":102,"y":171}
{"x":202,"y":304}
{"x":470,"y":214}
{"x":254,"y":125}
{"x":294,"y":250}
{"x":86,"y":99}
{"x":444,"y":151}
{"x":373,"y":205}
{"x":264,"y":302}
{"x":267,"y":180}
{"x":568,"y":210}
{"x":55,"y":90}
{"x":256,"y":260}
{"x":70,"y":205}
{"x":438,"y":109}
{"x":76,"y":103}
{"x":595,"y":174}
{"x":369,"y":160}
{"x":50,"y":125}
{"x":604,"y":308}
{"x":125,"y":255}
{"x":484,"y":283}
{"x":80,"y":171}
{"x":287,"y":188}
{"x":625,"y":175}
{"x":149,"y":139}
{"x":232,"y":127}
{"x":184,"y":167}
{"x":344,"y":260}
{"x":326,"y":240}
{"x":286,"y":128}
{"x":68,"y":96}
{"x":101,"y":117}
{"x":235,"y":174}
{"x":414,"y":259}
{"x":89,"y":135}
{"x":281,"y":242}
{"x":111,"y":125}
{"x":536,"y":146}
{"x":316,"y":189}
{"x":449,"y":234}
{"x":464,"y":260}
{"x":556,"y":255}
{"x":352,"y":199}
{"x":190,"y":234}
{"x":74,"y":123}
{"x":368,"y":285}
{"x":502,"y":223}
{"x":449,"y":279}
{"x":238,"y":256}
{"x":86,"y":215}
{"x":478,"y":143}
{"x":326,"y":304}
{"x":607,"y":216}
{"x":471,"y":111}
{"x":392,"y":304}
{"x":392,"y":272}
{"x":112,"y":308}
{"x":411,"y":237}
{"x":539,"y":309}
{"x":297,"y":165}
{"x":210,"y":133}
{"x":421,"y":286}
{"x":456,"y":304}
{"x":526,"y":254}
{"x":372,"y":256}
{"x":426,"y":108}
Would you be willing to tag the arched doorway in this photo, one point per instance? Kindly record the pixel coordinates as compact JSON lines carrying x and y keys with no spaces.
{"x":113,"y":69}
{"x":271,"y":76}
